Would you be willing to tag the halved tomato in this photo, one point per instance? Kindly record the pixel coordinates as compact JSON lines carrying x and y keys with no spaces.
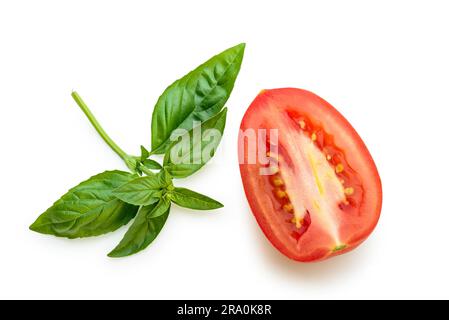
{"x":319,"y":193}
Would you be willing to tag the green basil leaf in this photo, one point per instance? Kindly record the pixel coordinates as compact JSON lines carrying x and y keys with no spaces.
{"x":191,"y":152}
{"x":144,"y":191}
{"x":162,"y":206}
{"x":198,"y":96}
{"x":190,"y":199}
{"x":144,"y":229}
{"x":89,"y":209}
{"x":151,"y":164}
{"x":144,"y":154}
{"x":165,"y":179}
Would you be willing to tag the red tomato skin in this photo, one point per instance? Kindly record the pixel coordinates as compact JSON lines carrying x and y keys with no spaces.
{"x":353,"y":234}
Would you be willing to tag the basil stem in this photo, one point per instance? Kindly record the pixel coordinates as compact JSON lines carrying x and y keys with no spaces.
{"x":130,"y":161}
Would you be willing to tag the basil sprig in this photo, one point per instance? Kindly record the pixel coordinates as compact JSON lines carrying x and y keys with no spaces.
{"x":187,"y":126}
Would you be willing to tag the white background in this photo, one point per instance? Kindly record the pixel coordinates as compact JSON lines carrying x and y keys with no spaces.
{"x":383,"y":64}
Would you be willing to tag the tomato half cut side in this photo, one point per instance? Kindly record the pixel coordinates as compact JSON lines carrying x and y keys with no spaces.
{"x":309,"y":179}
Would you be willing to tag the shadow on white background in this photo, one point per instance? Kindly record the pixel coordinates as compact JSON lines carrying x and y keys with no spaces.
{"x":313,"y":272}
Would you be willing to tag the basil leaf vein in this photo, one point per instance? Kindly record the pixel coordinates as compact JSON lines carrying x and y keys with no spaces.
{"x":193,"y":200}
{"x":146,"y":227}
{"x":144,"y":191}
{"x":198,"y":96}
{"x":188,"y":155}
{"x":89,"y":209}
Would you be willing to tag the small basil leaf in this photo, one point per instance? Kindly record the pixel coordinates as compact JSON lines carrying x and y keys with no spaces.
{"x":162,"y":206}
{"x":165,"y":179}
{"x":190,"y":199}
{"x":144,"y":153}
{"x":89,"y":209}
{"x":189,"y":154}
{"x":151,"y":164}
{"x":198,"y":96}
{"x":143,"y":231}
{"x":144,"y":190}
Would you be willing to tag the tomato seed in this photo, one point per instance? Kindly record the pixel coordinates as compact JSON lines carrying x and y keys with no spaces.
{"x":349,"y":191}
{"x":297,"y":222}
{"x":280,"y":194}
{"x":277,"y":181}
{"x":339,"y":168}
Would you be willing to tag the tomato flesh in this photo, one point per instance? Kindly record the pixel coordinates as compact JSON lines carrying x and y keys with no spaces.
{"x":323,"y":197}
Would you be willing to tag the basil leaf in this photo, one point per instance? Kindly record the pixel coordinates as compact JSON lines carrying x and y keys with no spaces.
{"x":195,"y":151}
{"x":162,"y":206}
{"x":89,"y":209}
{"x":144,"y":191}
{"x":165,"y":179}
{"x":148,"y":163}
{"x":151,"y":164}
{"x":144,"y":229}
{"x":190,"y":199}
{"x":144,"y":154}
{"x":198,"y":96}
